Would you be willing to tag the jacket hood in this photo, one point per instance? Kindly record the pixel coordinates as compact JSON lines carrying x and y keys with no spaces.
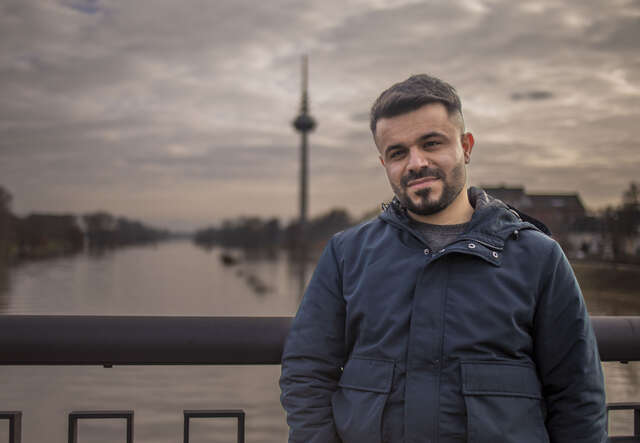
{"x":492,"y":222}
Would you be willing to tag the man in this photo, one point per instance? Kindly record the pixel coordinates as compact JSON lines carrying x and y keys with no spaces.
{"x":446,"y":319}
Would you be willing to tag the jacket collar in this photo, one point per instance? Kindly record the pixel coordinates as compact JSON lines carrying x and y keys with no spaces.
{"x":492,"y":223}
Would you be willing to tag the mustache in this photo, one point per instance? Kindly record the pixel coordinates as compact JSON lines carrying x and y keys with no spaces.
{"x":421,"y":173}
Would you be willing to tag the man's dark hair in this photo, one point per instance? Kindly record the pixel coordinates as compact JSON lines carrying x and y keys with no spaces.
{"x":414,"y":93}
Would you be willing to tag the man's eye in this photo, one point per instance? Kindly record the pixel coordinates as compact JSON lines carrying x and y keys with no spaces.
{"x":431,"y":144}
{"x":396,"y":154}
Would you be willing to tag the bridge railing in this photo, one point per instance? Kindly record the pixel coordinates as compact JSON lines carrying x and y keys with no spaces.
{"x":147,"y":340}
{"x":152,"y":340}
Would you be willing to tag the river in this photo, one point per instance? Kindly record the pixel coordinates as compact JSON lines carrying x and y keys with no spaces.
{"x":178,"y":278}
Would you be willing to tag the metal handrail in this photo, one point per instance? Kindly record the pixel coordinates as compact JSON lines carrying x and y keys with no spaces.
{"x":129,"y":340}
{"x":141,"y":340}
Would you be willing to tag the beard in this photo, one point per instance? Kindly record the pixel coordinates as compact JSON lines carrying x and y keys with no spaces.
{"x":425,"y":204}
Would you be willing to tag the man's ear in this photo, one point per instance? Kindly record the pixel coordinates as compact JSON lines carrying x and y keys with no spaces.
{"x":381,"y":159}
{"x":467,"y":142}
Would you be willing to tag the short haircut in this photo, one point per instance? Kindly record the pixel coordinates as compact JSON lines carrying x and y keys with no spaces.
{"x":413,"y":93}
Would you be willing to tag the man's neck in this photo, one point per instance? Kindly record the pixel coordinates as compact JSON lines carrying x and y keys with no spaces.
{"x":458,"y":212}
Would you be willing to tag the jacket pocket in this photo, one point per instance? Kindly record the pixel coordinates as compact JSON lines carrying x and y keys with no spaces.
{"x":504,"y":402}
{"x":359,"y":402}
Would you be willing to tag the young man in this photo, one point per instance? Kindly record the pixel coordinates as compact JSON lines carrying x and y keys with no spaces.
{"x":446,"y":319}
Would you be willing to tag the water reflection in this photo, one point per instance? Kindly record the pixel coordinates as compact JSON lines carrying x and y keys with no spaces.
{"x":174,"y":278}
{"x":301,"y":266}
{"x":248,"y":262}
{"x":5,"y":286}
{"x":257,"y":284}
{"x":262,"y":254}
{"x":98,"y":252}
{"x":609,"y":289}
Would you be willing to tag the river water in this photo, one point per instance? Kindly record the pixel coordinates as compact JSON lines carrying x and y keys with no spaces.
{"x":178,"y":278}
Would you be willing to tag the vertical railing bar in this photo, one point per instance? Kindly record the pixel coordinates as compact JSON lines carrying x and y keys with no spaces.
{"x":73,"y":428}
{"x":15,"y":426}
{"x":186,"y":427}
{"x":17,"y":436}
{"x":12,"y":430}
{"x":241,"y":428}
{"x":636,"y":421}
{"x":130,"y":428}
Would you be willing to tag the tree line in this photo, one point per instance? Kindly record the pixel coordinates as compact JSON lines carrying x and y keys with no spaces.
{"x":45,"y":235}
{"x":621,"y":226}
{"x":256,"y":232}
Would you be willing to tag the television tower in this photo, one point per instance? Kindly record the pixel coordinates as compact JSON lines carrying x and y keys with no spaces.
{"x":304,"y":124}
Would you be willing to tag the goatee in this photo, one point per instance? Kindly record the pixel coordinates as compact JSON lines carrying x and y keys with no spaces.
{"x":451,"y":188}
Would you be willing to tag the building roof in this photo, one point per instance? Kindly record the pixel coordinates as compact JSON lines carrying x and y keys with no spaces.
{"x":557,"y":201}
{"x":505,"y":194}
{"x":517,"y":197}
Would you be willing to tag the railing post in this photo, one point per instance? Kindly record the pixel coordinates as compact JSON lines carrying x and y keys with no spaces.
{"x":635,"y":407}
{"x":76,"y":415}
{"x":72,"y":431}
{"x":15,"y":425}
{"x":241,"y":428}
{"x":215,"y":413}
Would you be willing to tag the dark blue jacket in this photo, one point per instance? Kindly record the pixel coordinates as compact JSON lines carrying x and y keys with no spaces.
{"x":487,"y":340}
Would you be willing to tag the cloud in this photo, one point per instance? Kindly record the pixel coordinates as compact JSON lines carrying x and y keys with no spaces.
{"x":108,"y":103}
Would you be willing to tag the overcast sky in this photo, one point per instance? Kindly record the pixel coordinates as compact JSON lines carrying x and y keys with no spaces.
{"x":179,"y":113}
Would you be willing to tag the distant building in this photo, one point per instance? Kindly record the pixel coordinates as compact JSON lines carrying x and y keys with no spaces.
{"x":560,"y":212}
{"x":587,"y":239}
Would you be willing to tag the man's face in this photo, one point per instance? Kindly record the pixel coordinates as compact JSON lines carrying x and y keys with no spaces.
{"x":424,"y":154}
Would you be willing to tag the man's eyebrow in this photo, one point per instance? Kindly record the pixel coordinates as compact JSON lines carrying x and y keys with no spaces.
{"x":431,"y":135}
{"x":422,"y":138}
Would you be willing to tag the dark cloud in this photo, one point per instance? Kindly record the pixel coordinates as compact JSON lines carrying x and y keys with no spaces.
{"x":84,"y":6}
{"x":531,"y":95}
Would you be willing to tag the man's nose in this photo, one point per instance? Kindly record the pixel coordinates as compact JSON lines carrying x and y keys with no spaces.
{"x":417,"y":159}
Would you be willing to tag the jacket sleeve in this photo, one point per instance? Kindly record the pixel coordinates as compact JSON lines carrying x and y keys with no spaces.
{"x":314,"y":354}
{"x":567,"y":357}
